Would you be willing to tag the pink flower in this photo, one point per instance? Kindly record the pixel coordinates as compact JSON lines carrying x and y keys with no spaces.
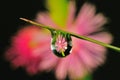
{"x":31,"y":46}
{"x":26,"y":48}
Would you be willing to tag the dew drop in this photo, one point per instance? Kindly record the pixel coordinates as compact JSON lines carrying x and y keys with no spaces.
{"x":61,"y":43}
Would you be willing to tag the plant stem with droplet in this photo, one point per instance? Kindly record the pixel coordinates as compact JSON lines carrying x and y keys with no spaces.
{"x":75,"y":35}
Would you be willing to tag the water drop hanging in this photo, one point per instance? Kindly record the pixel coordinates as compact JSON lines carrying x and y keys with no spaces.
{"x":61,"y":43}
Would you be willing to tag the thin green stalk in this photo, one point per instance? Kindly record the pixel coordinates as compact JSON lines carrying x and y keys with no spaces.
{"x":75,"y":35}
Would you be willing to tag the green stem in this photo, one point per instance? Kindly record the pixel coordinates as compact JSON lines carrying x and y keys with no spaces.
{"x":63,"y":54}
{"x":75,"y":35}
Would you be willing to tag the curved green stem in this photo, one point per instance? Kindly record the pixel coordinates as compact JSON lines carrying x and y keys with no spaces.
{"x":75,"y":35}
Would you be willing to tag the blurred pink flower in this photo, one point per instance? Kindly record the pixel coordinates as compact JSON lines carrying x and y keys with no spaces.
{"x":26,"y":48}
{"x":31,"y":46}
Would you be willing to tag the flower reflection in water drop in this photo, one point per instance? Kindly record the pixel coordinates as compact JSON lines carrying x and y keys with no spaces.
{"x":61,"y":44}
{"x":31,"y":46}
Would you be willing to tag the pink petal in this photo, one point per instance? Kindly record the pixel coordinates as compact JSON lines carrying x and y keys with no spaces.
{"x":32,"y":67}
{"x":87,"y":12}
{"x":94,"y":50}
{"x":87,"y":21}
{"x":24,"y":54}
{"x":61,"y":68}
{"x":48,"y":62}
{"x":91,"y":58}
{"x":71,"y":13}
{"x":44,"y":18}
{"x":103,"y":37}
{"x":76,"y":69}
{"x":98,"y":20}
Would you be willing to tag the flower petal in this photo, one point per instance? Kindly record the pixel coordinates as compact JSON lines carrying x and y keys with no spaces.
{"x":71,"y":14}
{"x":48,"y":62}
{"x":94,"y":53}
{"x":76,"y":69}
{"x":61,"y":68}
{"x":44,"y":18}
{"x":90,"y":58}
{"x":26,"y":49}
{"x":102,"y":36}
{"x":87,"y":21}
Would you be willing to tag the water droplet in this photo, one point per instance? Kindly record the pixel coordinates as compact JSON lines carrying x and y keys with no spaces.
{"x":61,"y":43}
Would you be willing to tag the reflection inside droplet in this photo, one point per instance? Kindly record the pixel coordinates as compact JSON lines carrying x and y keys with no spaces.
{"x":61,"y":43}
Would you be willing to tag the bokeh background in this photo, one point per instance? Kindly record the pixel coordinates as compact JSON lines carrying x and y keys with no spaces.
{"x":11,"y":11}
